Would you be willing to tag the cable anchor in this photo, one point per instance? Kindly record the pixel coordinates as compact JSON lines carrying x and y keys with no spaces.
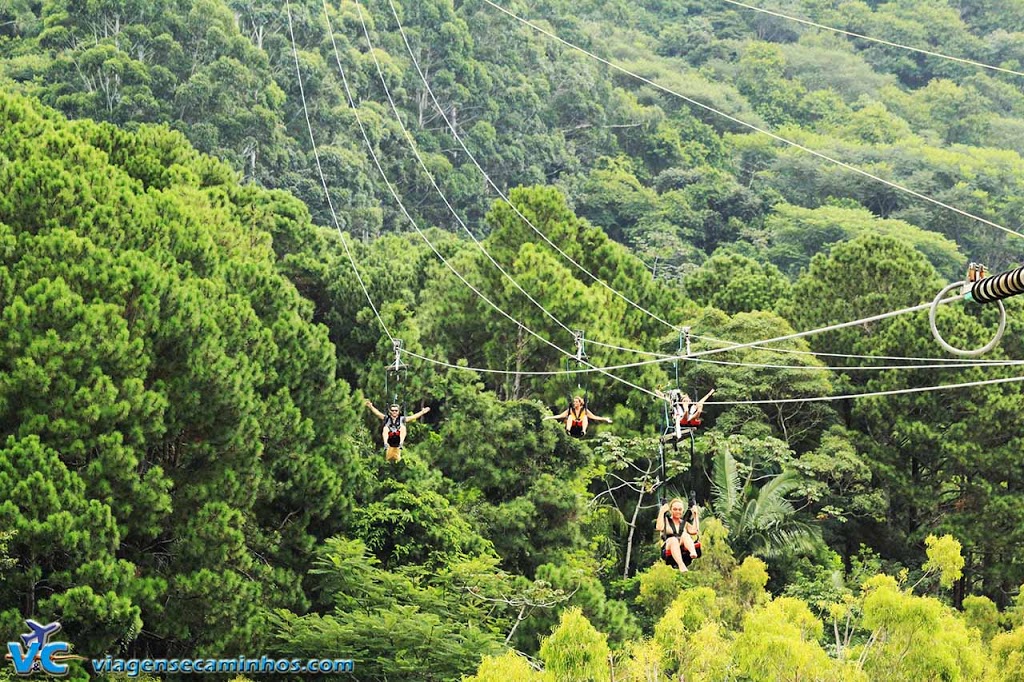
{"x":980,"y":288}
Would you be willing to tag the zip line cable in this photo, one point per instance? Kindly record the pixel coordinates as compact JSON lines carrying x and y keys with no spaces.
{"x":494,"y":186}
{"x":841,"y":325}
{"x":751,"y":126}
{"x":957,"y":364}
{"x":323,"y":180}
{"x":897,"y":391}
{"x":797,"y":335}
{"x":394,"y":193}
{"x":848,"y":356}
{"x":419,"y":158}
{"x":637,"y":351}
{"x":850,"y":396}
{"x":455,"y":134}
{"x":874,"y":40}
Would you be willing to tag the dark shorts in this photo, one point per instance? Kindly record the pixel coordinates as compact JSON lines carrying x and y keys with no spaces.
{"x":394,"y":439}
{"x":576,"y":430}
{"x":666,"y":554}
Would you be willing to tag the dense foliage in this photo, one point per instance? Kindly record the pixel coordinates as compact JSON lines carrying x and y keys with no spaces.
{"x":186,"y":466}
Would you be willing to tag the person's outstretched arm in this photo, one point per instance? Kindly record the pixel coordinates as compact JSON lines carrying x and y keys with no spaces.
{"x":594,"y":418}
{"x":416,"y":416}
{"x":376,"y":412}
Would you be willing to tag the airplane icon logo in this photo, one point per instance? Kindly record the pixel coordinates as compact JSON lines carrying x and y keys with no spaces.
{"x":40,"y":633}
{"x":37,"y":653}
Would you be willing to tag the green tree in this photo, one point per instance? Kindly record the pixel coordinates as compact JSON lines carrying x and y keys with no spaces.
{"x":173,"y":383}
{"x":688,"y":615}
{"x":1008,"y":651}
{"x":761,"y":519}
{"x":906,"y":451}
{"x":575,"y":650}
{"x":735,"y":284}
{"x":509,"y":667}
{"x":65,"y":550}
{"x":796,"y":234}
{"x":916,"y":638}
{"x":780,"y":641}
{"x":403,"y":625}
{"x":944,"y":558}
{"x":981,"y":613}
{"x":761,"y":79}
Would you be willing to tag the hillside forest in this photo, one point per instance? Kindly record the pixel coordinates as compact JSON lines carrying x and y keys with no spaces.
{"x":222,"y":222}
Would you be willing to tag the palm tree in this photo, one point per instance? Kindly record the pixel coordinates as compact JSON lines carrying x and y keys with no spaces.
{"x":761,"y":521}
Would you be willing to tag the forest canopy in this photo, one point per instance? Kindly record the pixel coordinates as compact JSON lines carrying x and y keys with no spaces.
{"x":218,"y":217}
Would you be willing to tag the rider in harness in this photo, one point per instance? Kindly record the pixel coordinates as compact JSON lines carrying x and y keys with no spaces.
{"x":393,"y":430}
{"x":680,"y":533}
{"x":578,"y":417}
{"x":685,"y":413}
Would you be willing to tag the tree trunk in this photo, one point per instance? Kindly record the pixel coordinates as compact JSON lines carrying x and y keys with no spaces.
{"x":519,"y":619}
{"x":632,"y":532}
{"x":915,"y":478}
{"x":518,"y":377}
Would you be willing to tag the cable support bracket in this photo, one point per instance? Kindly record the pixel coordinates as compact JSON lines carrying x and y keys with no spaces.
{"x":980,"y":288}
{"x":397,"y":365}
{"x":578,"y":339}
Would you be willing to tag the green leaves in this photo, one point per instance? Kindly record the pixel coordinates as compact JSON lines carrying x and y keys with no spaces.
{"x":944,"y":557}
{"x":735,"y":284}
{"x":177,"y":410}
{"x":575,"y":650}
{"x":916,"y":637}
{"x":761,"y":519}
{"x":400,"y":624}
{"x":66,"y":539}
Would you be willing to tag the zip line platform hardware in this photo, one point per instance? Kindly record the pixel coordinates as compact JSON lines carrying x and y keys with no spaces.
{"x":393,"y":373}
{"x":980,"y":290}
{"x":672,"y":438}
{"x":581,"y":353}
{"x":397,"y":365}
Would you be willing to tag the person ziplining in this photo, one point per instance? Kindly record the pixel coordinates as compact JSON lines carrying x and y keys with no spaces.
{"x":393,"y":427}
{"x":578,"y":417}
{"x":680,"y":533}
{"x":682,"y":414}
{"x":393,"y":424}
{"x":685,"y":413}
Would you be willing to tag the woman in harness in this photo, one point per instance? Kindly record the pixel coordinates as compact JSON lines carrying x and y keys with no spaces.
{"x":393,"y":430}
{"x":578,"y":417}
{"x":685,"y":413}
{"x":680,"y":535}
